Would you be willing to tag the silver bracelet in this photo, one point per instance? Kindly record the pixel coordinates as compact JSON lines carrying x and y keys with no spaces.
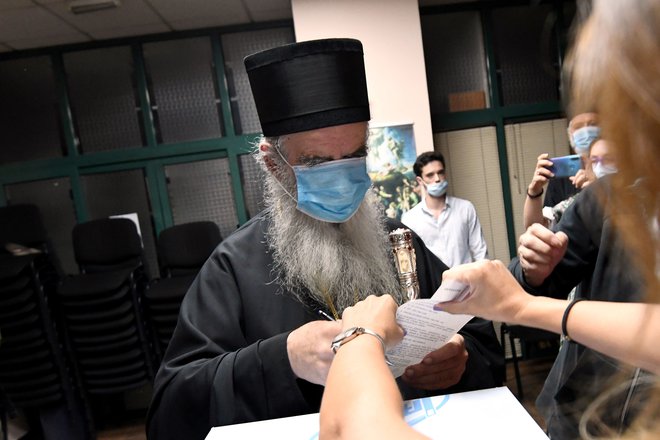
{"x":353,"y":333}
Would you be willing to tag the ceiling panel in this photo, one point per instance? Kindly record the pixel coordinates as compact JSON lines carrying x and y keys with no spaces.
{"x":201,"y":13}
{"x":26,"y":24}
{"x":155,"y":28}
{"x":34,"y":22}
{"x":130,"y":13}
{"x":270,"y":10}
{"x":6,"y":5}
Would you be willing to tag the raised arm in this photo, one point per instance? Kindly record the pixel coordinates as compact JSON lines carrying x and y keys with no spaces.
{"x":533,"y":209}
{"x":626,"y":331}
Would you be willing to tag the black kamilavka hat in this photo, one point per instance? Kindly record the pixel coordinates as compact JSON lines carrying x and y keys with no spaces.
{"x":309,"y":85}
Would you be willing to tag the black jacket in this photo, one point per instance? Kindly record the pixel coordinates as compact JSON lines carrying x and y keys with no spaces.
{"x":599,"y":266}
{"x":227,"y":362}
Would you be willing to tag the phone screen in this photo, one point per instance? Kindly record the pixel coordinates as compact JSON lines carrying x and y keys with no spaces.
{"x":565,"y":166}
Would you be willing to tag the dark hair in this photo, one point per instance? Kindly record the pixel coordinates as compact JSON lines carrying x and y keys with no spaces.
{"x":424,"y":159}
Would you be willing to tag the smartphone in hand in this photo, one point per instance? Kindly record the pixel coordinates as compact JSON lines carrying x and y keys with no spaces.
{"x":565,"y":166}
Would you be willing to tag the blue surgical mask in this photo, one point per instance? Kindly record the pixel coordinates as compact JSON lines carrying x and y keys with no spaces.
{"x":332,"y":191}
{"x":584,"y":137}
{"x":437,"y":189}
{"x":601,"y":169}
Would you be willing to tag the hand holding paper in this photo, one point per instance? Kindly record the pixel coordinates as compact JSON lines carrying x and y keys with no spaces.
{"x":441,"y":368}
{"x":426,"y":329}
{"x":491,"y":292}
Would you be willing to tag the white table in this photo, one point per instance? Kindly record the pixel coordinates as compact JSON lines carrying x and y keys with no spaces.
{"x":485,"y":414}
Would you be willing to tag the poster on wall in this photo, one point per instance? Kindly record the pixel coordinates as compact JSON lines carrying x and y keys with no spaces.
{"x":390,"y":160}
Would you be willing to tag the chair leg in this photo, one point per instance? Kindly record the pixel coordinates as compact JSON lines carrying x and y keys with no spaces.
{"x":5,"y":436}
{"x":516,"y":368}
{"x":503,"y":333}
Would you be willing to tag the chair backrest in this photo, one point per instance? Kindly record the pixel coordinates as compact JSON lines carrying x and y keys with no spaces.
{"x":107,"y":244}
{"x":22,"y":224}
{"x":183,"y":249}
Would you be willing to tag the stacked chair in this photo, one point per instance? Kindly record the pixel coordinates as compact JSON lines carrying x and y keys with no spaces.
{"x":37,"y":372}
{"x":21,"y":226}
{"x":182,"y":250}
{"x":102,"y":308}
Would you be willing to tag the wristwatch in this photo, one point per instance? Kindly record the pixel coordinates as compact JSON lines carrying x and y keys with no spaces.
{"x":353,"y":333}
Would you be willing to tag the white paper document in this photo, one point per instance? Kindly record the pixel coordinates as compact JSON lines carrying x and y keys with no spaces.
{"x":426,"y":329}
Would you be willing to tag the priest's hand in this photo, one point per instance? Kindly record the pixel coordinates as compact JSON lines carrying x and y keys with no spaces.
{"x":441,"y":368}
{"x":309,"y":350}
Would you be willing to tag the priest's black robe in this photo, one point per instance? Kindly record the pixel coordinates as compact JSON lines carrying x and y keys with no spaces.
{"x":227,"y":361}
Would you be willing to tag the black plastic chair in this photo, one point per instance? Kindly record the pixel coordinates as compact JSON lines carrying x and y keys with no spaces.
{"x":36,"y":372}
{"x":103,"y":308}
{"x":182,"y":250}
{"x":22,"y":225}
{"x":534,"y":343}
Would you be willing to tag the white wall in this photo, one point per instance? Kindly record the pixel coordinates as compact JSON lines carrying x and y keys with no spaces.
{"x":391,"y":34}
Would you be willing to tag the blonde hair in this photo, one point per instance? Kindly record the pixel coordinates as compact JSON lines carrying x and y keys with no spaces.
{"x":615,"y":69}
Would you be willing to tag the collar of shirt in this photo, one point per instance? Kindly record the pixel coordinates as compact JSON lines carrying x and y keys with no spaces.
{"x":426,"y":209}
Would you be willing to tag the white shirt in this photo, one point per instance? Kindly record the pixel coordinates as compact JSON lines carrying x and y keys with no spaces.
{"x":455,"y":236}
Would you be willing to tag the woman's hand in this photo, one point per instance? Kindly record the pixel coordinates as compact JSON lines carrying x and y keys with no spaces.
{"x":493,"y":292}
{"x":377,"y":313}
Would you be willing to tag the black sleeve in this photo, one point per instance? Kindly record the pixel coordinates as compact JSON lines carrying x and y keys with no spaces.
{"x":211,"y":374}
{"x":485,"y":366}
{"x":582,"y":223}
{"x":559,"y":190}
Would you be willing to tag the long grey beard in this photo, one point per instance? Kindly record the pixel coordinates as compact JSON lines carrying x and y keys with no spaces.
{"x":334,"y":265}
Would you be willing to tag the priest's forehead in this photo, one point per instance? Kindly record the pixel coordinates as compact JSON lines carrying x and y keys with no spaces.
{"x":328,"y":143}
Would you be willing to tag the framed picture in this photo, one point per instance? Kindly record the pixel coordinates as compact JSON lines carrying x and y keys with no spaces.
{"x":391,"y":156}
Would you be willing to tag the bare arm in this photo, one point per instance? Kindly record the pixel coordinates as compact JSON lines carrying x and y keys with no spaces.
{"x":626,"y":331}
{"x":361,"y":398}
{"x":533,"y":209}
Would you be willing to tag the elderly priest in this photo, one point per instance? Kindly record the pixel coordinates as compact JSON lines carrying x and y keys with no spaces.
{"x":251,"y":342}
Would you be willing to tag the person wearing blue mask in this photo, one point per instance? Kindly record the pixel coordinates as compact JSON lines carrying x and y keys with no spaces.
{"x":600,"y":159}
{"x":449,"y":226}
{"x":253,"y":340}
{"x":583,"y":131}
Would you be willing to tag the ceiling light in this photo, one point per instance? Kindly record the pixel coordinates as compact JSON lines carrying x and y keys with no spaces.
{"x":85,"y":6}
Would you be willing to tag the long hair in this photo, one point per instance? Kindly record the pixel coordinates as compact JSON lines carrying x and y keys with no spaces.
{"x":615,"y":70}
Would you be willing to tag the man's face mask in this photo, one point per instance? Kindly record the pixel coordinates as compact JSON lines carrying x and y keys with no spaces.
{"x":332,"y":191}
{"x":437,"y":189}
{"x":584,"y":137}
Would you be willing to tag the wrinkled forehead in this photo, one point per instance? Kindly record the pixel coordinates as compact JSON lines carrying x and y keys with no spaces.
{"x":330,"y":143}
{"x":583,"y":120}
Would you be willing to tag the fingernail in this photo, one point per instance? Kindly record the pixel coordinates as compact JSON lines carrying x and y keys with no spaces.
{"x":437,"y":307}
